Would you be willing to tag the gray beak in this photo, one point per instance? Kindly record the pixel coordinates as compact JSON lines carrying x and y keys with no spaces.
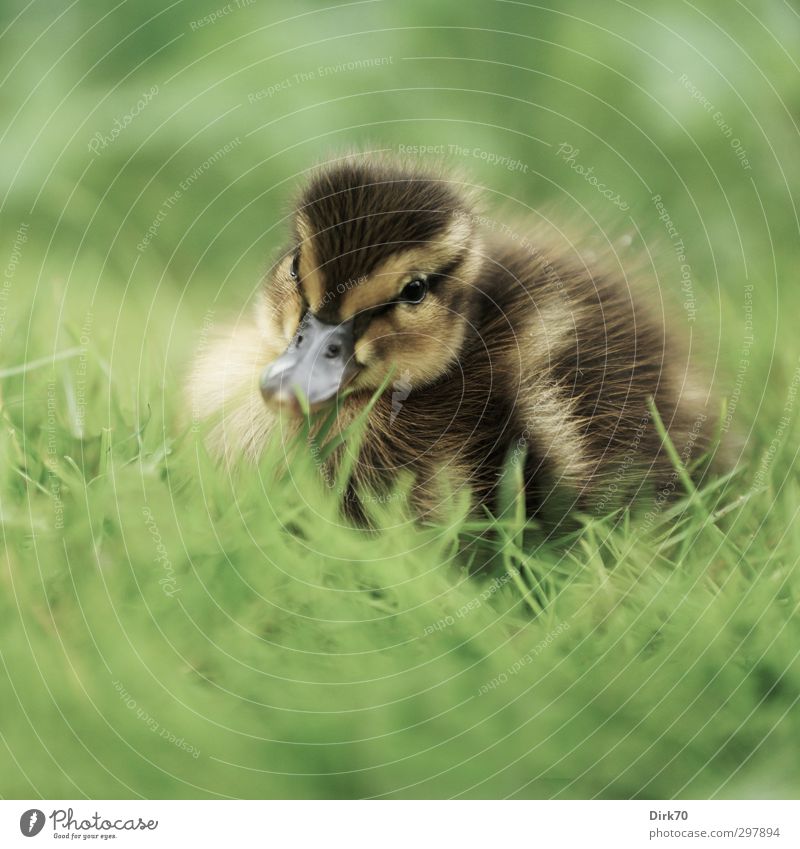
{"x":318,"y":362}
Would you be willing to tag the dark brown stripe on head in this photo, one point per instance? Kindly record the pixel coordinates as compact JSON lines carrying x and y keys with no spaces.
{"x":358,"y":214}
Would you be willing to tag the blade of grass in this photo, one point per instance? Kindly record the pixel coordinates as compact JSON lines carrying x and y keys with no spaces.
{"x":685,"y":478}
{"x":105,"y":450}
{"x":669,"y":447}
{"x":355,"y":426}
{"x":511,"y":493}
{"x":39,"y":363}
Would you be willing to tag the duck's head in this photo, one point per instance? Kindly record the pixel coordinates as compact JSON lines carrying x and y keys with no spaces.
{"x":380,"y":274}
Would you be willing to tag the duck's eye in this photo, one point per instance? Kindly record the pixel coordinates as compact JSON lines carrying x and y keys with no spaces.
{"x":294,"y":268}
{"x":414,"y":292}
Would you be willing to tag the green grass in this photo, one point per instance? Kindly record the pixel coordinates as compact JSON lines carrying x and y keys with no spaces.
{"x":168,"y":629}
{"x":146,"y":593}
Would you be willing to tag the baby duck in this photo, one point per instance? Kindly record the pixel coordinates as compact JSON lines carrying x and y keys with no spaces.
{"x":497,"y":347}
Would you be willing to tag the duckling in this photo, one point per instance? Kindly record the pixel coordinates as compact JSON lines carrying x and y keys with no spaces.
{"x":497,"y":346}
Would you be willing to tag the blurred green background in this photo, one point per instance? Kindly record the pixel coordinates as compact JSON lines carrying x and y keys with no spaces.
{"x":273,"y":79}
{"x":149,"y":156}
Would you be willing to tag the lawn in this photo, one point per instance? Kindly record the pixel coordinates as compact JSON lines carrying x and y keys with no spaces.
{"x":173,"y":629}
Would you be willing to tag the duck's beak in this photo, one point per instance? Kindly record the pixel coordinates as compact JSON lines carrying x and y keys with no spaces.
{"x":318,"y":363}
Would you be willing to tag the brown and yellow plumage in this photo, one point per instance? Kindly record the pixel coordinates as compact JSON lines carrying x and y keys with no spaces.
{"x":498,"y":343}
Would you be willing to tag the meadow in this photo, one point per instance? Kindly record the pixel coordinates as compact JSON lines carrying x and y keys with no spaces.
{"x":173,"y":629}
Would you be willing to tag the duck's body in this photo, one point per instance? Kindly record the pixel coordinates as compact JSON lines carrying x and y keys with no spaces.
{"x":498,"y":345}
